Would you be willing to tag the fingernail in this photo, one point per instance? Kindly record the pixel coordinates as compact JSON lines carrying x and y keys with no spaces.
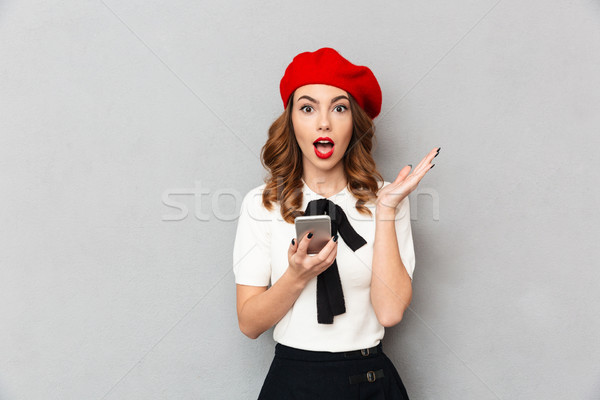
{"x":432,"y":166}
{"x":310,"y":235}
{"x":335,"y":238}
{"x":410,"y":165}
{"x":293,"y":243}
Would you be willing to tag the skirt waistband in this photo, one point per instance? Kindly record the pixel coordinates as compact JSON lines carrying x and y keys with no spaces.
{"x":293,"y":353}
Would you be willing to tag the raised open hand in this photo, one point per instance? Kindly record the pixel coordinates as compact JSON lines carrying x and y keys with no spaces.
{"x":406,"y":181}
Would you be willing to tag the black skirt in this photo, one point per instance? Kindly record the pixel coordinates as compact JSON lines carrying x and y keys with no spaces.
{"x":297,"y":374}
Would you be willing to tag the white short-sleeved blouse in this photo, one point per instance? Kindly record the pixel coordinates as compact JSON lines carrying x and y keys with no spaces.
{"x":260,"y":259}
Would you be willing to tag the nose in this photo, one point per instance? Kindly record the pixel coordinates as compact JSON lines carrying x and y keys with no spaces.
{"x":324,"y":123}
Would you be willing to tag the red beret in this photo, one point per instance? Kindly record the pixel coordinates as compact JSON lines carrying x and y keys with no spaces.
{"x":327,"y":66}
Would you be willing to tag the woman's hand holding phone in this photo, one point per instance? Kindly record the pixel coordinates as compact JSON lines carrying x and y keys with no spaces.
{"x":304,"y":267}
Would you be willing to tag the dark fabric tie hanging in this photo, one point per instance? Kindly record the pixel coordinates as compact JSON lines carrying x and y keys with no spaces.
{"x":330,"y":297}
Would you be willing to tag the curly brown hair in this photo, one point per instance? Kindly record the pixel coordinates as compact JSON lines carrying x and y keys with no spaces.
{"x":282,"y":157}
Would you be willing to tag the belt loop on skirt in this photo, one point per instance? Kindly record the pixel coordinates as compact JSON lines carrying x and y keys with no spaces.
{"x":361,"y":352}
{"x":370,"y":376}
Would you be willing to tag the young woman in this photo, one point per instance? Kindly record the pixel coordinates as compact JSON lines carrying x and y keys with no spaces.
{"x":330,"y":310}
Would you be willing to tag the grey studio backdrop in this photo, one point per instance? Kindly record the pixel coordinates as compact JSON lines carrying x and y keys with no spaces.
{"x":131,"y":130}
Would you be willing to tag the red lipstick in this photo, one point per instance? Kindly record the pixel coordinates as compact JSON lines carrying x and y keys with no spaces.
{"x":324,"y":150}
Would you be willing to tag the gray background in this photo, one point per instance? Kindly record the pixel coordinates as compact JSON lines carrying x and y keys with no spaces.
{"x":112,"y":110}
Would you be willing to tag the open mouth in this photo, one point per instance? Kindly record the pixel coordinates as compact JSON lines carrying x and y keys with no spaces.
{"x":324,"y":147}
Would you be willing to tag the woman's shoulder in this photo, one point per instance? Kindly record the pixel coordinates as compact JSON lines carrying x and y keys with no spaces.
{"x":256,"y":190}
{"x":254,"y":195}
{"x":252,"y":200}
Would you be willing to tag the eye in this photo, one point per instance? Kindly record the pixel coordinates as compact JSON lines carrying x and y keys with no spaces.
{"x":306,"y":106}
{"x":341,"y":106}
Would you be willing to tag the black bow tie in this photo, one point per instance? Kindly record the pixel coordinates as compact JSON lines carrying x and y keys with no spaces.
{"x":330,"y":297}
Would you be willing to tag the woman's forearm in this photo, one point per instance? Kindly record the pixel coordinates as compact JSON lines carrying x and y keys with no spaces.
{"x":262,"y":311}
{"x":391,"y":287}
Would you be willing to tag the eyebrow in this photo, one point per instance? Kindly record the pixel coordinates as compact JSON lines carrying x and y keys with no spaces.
{"x":315,"y":101}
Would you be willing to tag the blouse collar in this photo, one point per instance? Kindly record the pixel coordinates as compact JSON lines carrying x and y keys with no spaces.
{"x":339,"y":196}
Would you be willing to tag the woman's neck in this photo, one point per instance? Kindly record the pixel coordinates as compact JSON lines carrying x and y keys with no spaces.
{"x":327,"y":183}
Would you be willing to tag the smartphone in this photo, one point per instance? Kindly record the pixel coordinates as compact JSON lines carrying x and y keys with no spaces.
{"x":319,"y":225}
